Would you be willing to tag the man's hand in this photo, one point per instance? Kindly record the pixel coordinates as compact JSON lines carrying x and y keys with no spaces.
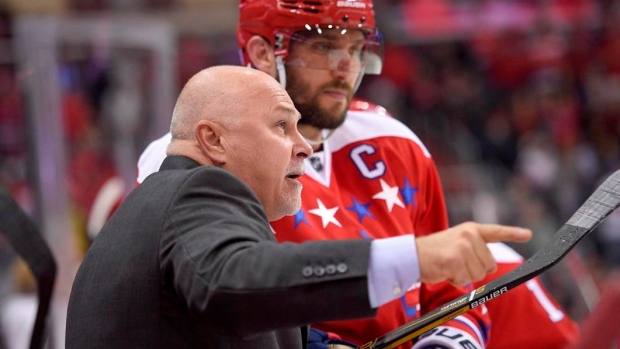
{"x":460,"y":254}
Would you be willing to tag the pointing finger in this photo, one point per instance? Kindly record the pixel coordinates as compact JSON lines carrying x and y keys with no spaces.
{"x":497,"y":233}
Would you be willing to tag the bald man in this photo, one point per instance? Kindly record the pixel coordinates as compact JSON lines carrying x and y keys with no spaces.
{"x":189,"y":259}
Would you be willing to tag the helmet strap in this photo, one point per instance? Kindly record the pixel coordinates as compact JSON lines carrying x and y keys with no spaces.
{"x":281,"y":71}
{"x":359,"y":79}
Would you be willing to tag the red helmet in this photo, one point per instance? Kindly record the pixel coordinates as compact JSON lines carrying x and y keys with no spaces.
{"x":278,"y":20}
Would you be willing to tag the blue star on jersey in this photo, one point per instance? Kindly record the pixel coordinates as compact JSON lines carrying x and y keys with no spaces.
{"x":365,"y":235}
{"x":361,"y":210}
{"x":408,"y":192}
{"x":300,"y":216}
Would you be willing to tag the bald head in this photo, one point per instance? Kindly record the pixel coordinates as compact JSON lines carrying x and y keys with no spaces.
{"x":217,"y":94}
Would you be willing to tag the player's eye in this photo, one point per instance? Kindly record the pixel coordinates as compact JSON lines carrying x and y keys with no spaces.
{"x":321,"y":47}
{"x":356,"y":51}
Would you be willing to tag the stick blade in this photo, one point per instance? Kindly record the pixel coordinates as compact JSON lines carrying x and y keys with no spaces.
{"x":604,"y":200}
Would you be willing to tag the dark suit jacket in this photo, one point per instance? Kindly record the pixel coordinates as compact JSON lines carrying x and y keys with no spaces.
{"x":189,"y":261}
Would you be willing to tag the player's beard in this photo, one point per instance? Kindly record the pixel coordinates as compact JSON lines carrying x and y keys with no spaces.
{"x":311,"y":112}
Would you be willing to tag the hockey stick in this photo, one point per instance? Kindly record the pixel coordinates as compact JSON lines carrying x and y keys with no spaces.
{"x":604,"y":200}
{"x":24,"y":236}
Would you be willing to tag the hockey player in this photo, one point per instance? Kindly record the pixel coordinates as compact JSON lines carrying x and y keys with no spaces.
{"x":370,"y":176}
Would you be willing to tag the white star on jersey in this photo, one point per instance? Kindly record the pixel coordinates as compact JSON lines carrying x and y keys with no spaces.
{"x":326,"y":214}
{"x":390,"y":195}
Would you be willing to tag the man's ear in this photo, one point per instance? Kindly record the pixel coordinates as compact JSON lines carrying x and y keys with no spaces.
{"x":208,"y":135}
{"x":261,"y":55}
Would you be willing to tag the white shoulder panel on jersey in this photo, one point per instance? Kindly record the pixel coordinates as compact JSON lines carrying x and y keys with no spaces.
{"x":504,"y":253}
{"x":152,"y":157}
{"x":361,"y":125}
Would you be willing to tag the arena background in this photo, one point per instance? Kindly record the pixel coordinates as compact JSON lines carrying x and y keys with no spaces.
{"x":518,"y":101}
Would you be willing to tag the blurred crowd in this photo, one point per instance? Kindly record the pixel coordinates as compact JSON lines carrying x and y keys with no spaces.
{"x":524,"y":123}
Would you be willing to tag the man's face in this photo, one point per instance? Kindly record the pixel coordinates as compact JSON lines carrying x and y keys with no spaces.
{"x":322,"y":71}
{"x":266,"y":151}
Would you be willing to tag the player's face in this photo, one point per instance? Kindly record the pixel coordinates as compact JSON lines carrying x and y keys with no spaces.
{"x":322,"y":71}
{"x":268,"y":151}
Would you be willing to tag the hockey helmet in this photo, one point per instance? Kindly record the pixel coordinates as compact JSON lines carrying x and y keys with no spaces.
{"x":282,"y":22}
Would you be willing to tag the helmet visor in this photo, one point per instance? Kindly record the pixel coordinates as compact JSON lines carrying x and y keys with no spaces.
{"x":349,"y":50}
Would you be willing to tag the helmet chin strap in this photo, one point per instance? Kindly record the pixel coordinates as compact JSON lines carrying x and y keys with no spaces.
{"x":282,"y":79}
{"x":281,"y":71}
{"x":359,"y":79}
